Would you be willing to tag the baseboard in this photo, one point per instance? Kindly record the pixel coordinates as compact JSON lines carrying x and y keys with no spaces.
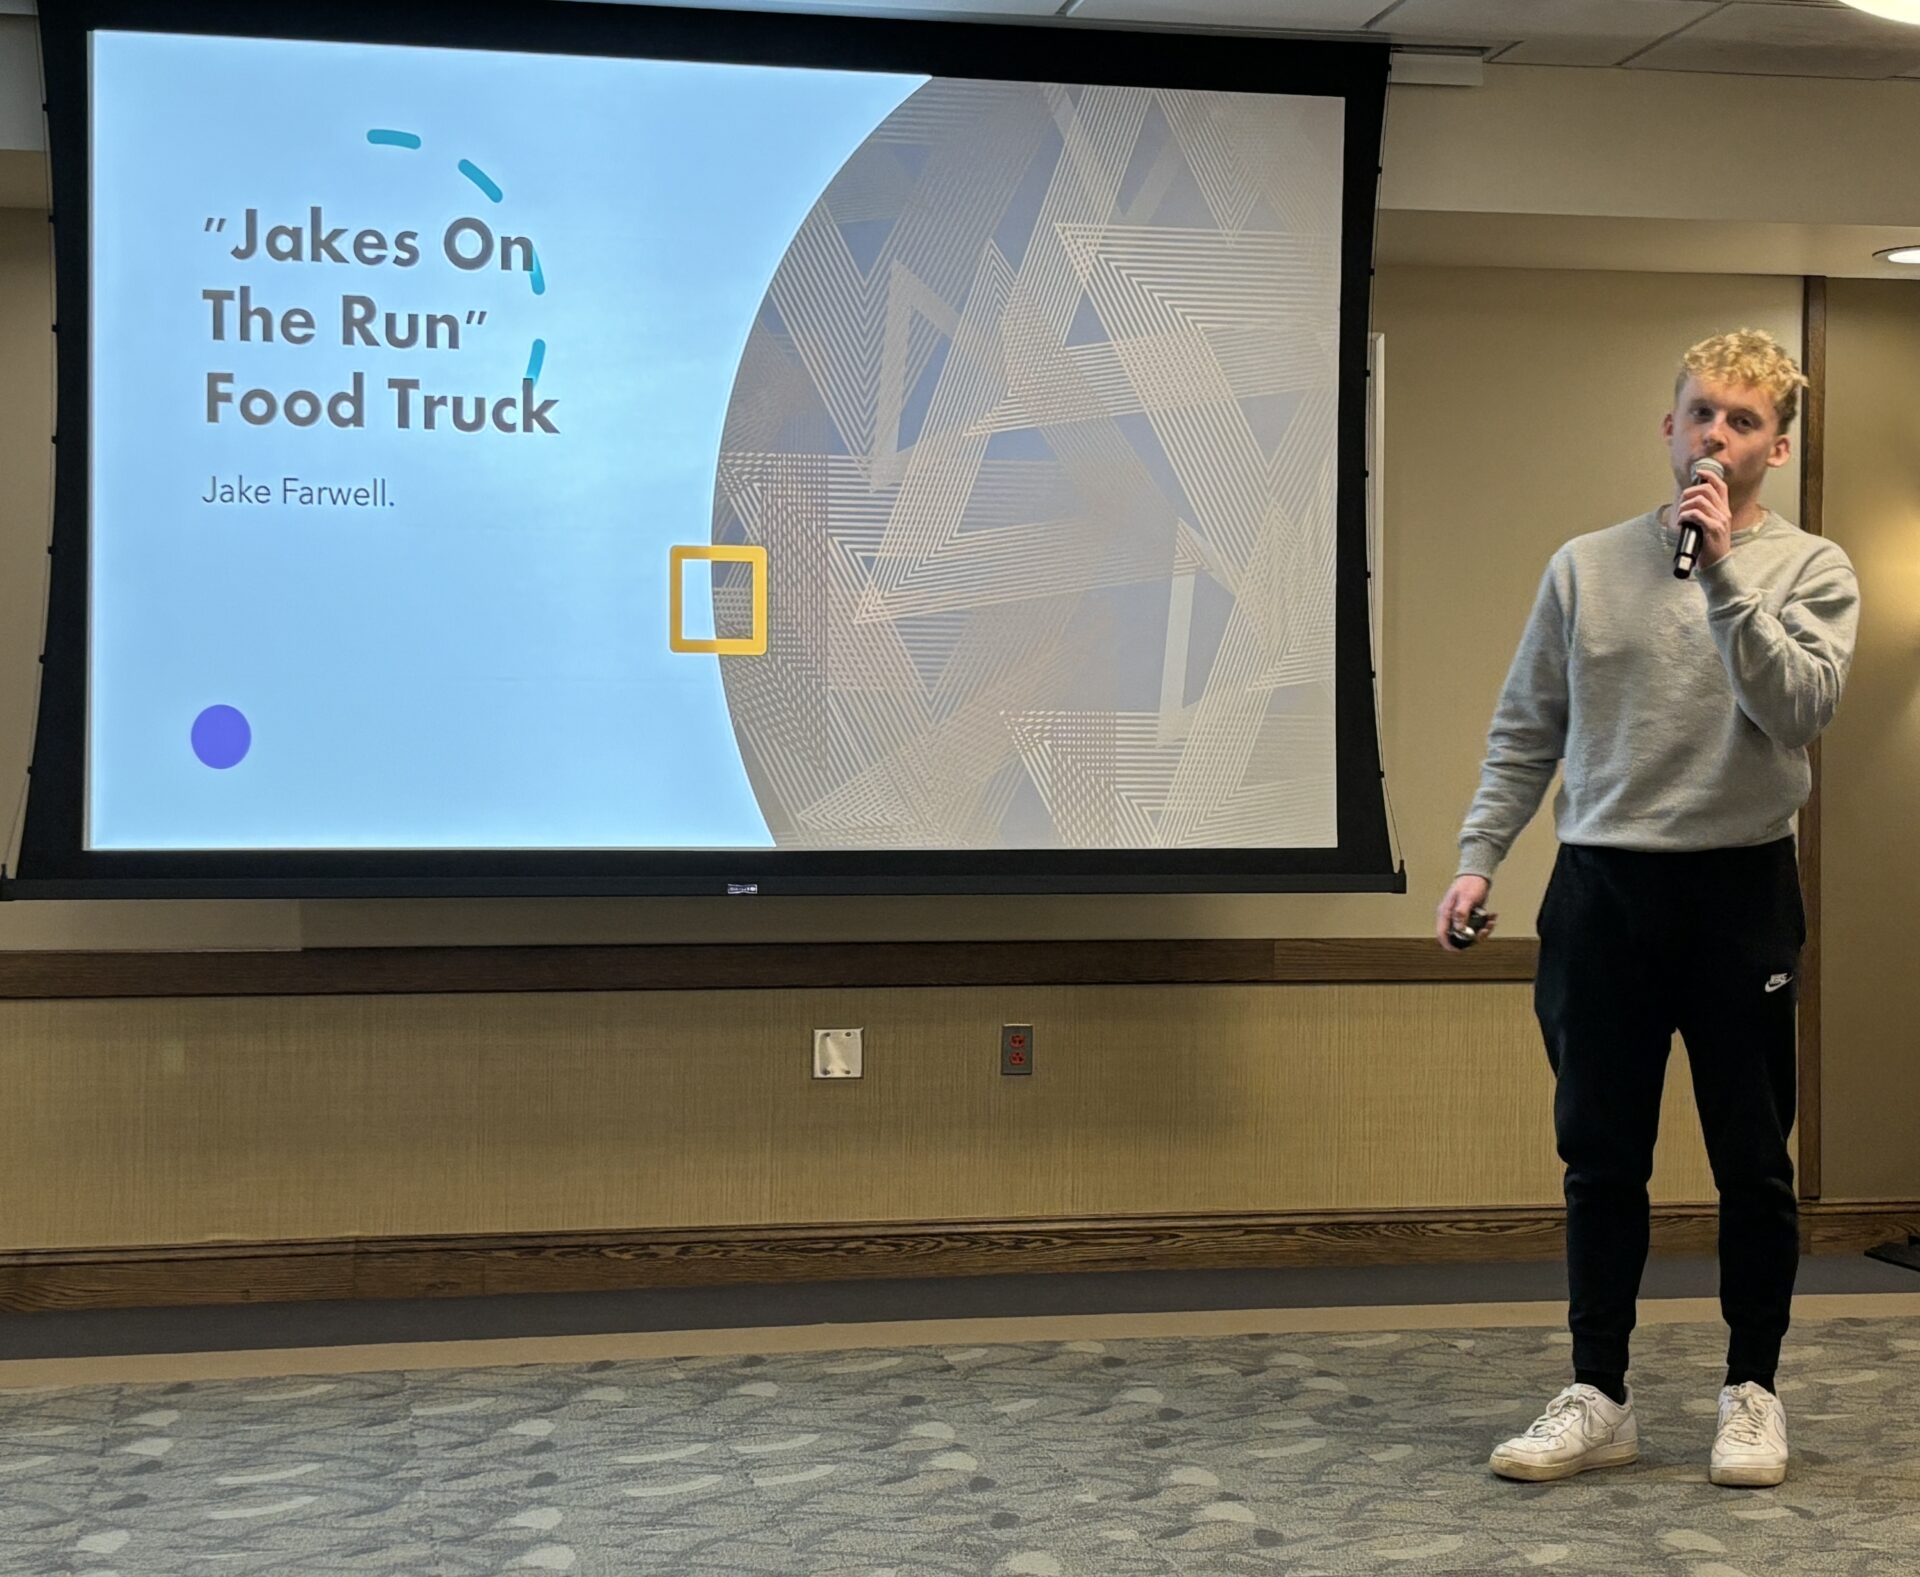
{"x":468,"y":1266}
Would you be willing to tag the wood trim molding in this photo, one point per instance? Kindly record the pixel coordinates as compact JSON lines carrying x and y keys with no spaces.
{"x":440,"y":1267}
{"x":1813,"y":493}
{"x":376,"y":971}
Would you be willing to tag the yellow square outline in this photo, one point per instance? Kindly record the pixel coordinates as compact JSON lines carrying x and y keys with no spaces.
{"x":753,"y":645}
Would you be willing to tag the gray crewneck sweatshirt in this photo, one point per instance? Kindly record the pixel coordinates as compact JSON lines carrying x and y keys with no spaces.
{"x":1682,"y":709}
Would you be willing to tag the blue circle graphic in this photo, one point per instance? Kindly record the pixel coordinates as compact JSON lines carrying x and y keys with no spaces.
{"x":222,"y":737}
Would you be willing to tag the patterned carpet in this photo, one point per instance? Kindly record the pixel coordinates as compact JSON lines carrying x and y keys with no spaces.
{"x":1300,"y":1454}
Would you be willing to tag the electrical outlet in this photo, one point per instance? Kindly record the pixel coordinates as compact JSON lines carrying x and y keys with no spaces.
{"x":1016,"y":1048}
{"x":837,"y":1054}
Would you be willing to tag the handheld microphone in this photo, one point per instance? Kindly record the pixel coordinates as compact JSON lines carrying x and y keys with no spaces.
{"x":1687,"y":554}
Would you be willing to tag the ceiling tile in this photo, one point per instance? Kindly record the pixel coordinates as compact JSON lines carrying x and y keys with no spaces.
{"x":1580,"y":50}
{"x":1336,"y":16}
{"x":1482,"y":21}
{"x":1795,"y":40}
{"x":1550,"y":32}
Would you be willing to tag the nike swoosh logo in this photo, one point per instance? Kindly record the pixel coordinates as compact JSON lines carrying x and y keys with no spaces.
{"x":1778,"y":981}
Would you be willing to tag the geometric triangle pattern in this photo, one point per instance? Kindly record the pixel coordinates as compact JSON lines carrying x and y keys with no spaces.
{"x":1037,"y":359}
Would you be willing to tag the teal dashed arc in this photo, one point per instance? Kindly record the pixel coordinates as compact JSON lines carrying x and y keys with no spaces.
{"x":481,"y":179}
{"x":406,"y":139}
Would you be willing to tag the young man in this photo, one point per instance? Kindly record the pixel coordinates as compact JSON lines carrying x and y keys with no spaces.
{"x":1682,"y":710}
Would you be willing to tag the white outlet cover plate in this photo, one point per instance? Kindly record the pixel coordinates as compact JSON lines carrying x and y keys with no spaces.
{"x":836,"y":1053}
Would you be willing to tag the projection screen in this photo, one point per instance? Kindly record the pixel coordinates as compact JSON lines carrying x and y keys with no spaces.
{"x":663,"y":451}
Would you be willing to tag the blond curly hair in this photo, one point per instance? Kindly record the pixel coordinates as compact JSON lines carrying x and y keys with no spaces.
{"x":1752,"y":357}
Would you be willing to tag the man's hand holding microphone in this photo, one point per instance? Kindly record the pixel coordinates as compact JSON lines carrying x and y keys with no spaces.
{"x":1703,"y":516}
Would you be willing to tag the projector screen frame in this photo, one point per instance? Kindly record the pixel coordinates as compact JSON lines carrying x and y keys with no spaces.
{"x":54,"y":861}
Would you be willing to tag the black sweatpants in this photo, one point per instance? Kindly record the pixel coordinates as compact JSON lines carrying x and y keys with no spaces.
{"x":1632,"y":947}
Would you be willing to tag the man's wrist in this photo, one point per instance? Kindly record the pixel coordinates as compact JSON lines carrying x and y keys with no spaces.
{"x":1723,"y":580}
{"x":1478,"y":859}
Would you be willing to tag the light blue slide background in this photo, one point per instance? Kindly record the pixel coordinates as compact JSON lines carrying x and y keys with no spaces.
{"x":485,"y":663}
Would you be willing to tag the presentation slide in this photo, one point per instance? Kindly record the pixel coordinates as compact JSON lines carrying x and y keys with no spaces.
{"x":520,"y":451}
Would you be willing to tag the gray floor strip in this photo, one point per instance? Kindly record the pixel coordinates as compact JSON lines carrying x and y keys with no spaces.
{"x":107,"y":1332}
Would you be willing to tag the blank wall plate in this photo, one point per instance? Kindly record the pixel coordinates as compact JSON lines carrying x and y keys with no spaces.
{"x":836,"y":1053}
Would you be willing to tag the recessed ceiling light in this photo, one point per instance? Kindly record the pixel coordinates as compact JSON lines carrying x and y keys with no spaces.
{"x":1909,"y":255}
{"x":1892,"y":10}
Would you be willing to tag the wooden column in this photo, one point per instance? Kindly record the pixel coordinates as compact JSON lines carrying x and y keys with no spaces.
{"x":1813,"y":424}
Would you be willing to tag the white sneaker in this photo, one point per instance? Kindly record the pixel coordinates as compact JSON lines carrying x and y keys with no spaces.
{"x":1750,"y":1447}
{"x":1582,"y":1428}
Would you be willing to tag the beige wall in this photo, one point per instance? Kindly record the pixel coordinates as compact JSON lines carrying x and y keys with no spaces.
{"x":26,"y":461}
{"x":191,"y":1120}
{"x":1547,"y":140}
{"x":177,"y":1121}
{"x":1522,"y":407}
